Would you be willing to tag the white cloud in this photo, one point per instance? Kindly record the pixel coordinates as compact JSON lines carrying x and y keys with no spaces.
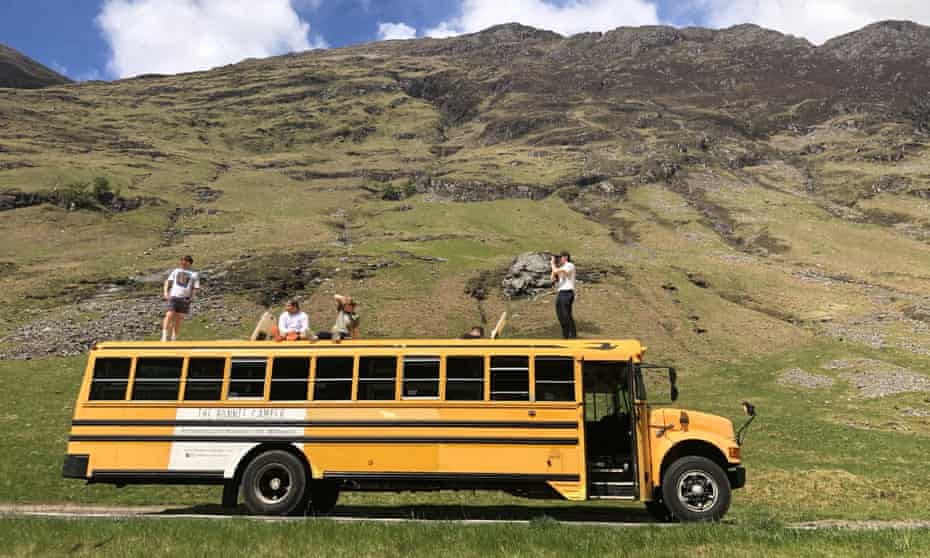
{"x":171,"y":36}
{"x":388,"y":31}
{"x":60,"y":68}
{"x":575,"y":16}
{"x":817,"y":20}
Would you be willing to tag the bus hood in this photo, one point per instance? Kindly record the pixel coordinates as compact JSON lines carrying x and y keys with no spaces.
{"x":685,"y":422}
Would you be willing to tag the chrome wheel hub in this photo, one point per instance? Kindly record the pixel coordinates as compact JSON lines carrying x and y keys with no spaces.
{"x":697,"y":491}
{"x":273,"y":484}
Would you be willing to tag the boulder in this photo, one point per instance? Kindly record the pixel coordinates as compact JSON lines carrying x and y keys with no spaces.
{"x":529,"y":274}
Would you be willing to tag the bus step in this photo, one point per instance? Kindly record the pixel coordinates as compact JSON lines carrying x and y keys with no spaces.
{"x":599,"y":497}
{"x":611,"y":490}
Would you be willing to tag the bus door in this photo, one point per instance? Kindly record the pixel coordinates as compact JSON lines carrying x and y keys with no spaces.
{"x":609,"y":421}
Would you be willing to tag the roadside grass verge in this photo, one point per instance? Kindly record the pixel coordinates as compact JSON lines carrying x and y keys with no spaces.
{"x":245,"y":537}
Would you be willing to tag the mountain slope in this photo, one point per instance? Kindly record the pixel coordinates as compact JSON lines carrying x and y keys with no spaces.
{"x":21,"y":72}
{"x":792,"y":181}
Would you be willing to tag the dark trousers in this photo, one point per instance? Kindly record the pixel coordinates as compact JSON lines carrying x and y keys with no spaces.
{"x":563,"y":309}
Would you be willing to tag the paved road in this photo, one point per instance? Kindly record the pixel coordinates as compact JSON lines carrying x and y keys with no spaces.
{"x":382,"y":515}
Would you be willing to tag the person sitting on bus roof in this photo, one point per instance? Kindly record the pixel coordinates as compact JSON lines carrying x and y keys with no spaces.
{"x":476,"y":332}
{"x":293,"y":324}
{"x":347,"y":320}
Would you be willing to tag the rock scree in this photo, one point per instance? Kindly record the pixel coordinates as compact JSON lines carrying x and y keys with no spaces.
{"x":874,"y":378}
{"x":798,"y":377}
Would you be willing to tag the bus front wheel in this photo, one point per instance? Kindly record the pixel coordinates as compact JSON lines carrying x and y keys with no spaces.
{"x":275,"y":483}
{"x":696,"y":489}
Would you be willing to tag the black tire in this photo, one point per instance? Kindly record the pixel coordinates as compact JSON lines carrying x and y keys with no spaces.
{"x":659,"y":512}
{"x":275,"y":483}
{"x":323,"y":497}
{"x":695,"y":488}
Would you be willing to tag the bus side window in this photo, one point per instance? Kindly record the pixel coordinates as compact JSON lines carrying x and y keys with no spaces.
{"x":421,"y":377}
{"x":247,"y":378}
{"x":289,"y":378}
{"x":465,"y":378}
{"x":204,"y":379}
{"x":157,"y":379}
{"x":376,"y":378}
{"x":555,"y":378}
{"x":510,"y":378}
{"x":111,"y":375}
{"x":333,"y":381}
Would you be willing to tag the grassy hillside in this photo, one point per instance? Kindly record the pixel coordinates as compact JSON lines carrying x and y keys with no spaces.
{"x":19,"y":71}
{"x":749,"y":204}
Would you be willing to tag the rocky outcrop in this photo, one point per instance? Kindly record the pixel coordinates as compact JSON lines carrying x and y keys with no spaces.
{"x":529,"y":274}
{"x":473,"y":191}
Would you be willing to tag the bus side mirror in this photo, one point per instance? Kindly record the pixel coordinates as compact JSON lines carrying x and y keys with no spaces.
{"x":673,"y":383}
{"x":749,"y":408}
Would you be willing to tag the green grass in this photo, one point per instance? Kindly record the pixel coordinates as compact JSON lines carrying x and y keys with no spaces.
{"x":243,"y":537}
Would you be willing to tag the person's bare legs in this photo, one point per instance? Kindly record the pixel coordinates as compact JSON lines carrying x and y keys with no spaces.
{"x":166,"y":324}
{"x":178,"y":318}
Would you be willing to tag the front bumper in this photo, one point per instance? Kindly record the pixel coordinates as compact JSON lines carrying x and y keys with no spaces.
{"x":75,"y":466}
{"x":737,"y":476}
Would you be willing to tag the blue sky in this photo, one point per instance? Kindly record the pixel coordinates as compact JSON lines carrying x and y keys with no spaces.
{"x":105,"y":39}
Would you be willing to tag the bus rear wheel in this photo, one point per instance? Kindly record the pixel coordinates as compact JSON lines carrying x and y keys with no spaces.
{"x":696,"y":489}
{"x":275,"y":483}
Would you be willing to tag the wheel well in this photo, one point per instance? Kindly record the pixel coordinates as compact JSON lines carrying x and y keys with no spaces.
{"x":262,"y":448}
{"x":692,"y":447}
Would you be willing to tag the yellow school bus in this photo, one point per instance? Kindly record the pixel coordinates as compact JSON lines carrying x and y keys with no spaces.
{"x":287,"y":426}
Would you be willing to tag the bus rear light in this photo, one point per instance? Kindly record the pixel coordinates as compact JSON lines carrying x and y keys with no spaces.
{"x":734,"y":453}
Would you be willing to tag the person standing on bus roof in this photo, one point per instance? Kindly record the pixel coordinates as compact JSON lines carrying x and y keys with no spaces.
{"x":293,"y":323}
{"x":179,"y":291}
{"x":563,"y":274}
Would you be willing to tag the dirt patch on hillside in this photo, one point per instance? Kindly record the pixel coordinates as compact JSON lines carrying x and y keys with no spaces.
{"x":874,"y":378}
{"x":798,"y":377}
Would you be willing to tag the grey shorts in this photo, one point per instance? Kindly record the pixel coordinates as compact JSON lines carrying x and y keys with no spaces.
{"x":179,"y":305}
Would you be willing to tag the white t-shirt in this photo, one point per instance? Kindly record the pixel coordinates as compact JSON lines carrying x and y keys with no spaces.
{"x":566,"y":279}
{"x":183,"y":281}
{"x":298,"y":322}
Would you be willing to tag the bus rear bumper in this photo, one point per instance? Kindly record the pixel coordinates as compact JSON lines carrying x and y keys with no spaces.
{"x":737,"y":476}
{"x":75,"y":466}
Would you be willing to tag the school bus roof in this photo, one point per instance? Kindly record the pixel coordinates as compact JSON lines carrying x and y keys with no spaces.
{"x":620,"y":349}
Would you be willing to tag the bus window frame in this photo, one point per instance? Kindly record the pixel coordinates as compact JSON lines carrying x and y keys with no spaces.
{"x":223,"y":379}
{"x":310,"y":357}
{"x":576,"y":375}
{"x":487,"y":372}
{"x":227,"y":380}
{"x":403,"y":378}
{"x":89,"y":380}
{"x":314,"y":377}
{"x":398,"y":359}
{"x":177,"y":399}
{"x":444,"y":374}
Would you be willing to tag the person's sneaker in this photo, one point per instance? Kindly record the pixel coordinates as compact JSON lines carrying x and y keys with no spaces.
{"x":164,"y":335}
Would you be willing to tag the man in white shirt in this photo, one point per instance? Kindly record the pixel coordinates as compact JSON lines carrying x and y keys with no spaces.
{"x":563,"y":275}
{"x":293,"y":324}
{"x":179,"y":291}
